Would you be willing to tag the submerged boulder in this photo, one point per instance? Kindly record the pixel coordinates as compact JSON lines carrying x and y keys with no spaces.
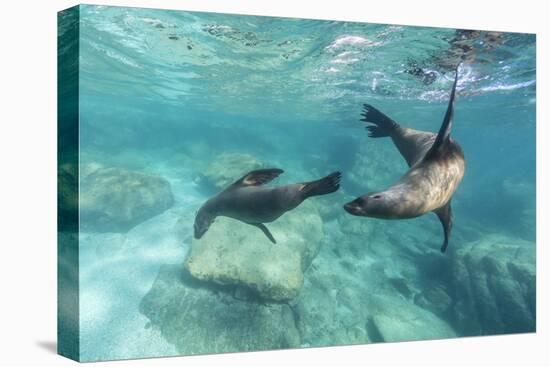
{"x":395,"y":319}
{"x":115,"y":199}
{"x":198,"y":318}
{"x":233,"y":252}
{"x":495,"y":286}
{"x":225,"y":169}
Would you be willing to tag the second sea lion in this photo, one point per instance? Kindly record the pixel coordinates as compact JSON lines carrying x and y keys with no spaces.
{"x":436,"y":169}
{"x":249,"y":201}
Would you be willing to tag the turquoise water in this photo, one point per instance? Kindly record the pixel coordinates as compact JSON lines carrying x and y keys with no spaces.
{"x":174,"y":106}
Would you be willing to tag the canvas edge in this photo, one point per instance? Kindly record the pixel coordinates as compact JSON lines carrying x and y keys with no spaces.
{"x":68,"y":303}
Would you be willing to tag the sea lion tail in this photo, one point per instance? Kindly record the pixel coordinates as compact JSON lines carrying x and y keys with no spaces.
{"x":381,"y":126}
{"x":323,"y":186}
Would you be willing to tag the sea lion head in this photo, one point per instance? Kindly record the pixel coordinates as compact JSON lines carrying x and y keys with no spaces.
{"x":203,"y":220}
{"x":375,"y":205}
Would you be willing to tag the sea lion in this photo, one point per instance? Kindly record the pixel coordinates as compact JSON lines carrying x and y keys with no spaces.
{"x":436,"y":168}
{"x":249,"y":201}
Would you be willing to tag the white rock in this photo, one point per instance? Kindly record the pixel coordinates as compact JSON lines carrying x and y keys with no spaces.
{"x":232,"y":252}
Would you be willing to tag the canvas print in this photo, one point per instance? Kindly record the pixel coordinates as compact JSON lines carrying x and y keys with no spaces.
{"x":231,"y":183}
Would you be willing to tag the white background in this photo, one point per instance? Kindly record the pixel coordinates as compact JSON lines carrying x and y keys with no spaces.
{"x":28,"y":181}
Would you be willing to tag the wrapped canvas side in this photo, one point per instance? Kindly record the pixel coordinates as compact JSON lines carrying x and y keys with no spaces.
{"x":67,"y":183}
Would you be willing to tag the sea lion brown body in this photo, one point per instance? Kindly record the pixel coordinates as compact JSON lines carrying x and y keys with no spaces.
{"x":436,"y":169}
{"x":249,"y":201}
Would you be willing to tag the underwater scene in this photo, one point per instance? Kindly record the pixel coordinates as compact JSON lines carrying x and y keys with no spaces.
{"x":239,"y":183}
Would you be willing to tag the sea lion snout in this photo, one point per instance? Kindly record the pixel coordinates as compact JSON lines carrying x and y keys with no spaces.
{"x":356,"y":207}
{"x":199,"y":231}
{"x":202,"y":223}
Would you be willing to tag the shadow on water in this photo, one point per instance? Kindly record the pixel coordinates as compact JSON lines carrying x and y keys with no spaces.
{"x":48,"y":345}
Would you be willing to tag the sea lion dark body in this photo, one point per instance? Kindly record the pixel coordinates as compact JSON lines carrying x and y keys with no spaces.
{"x":436,"y":169}
{"x":249,"y":201}
{"x":253,"y":204}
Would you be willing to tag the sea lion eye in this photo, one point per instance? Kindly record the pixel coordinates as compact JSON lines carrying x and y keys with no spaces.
{"x":376,"y":196}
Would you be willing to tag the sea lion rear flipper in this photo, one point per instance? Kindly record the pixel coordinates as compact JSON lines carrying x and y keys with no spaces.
{"x":264,"y":230}
{"x":323,"y":186}
{"x":382,"y":124}
{"x":445,"y":130}
{"x":445,"y":215}
{"x":258,"y":177}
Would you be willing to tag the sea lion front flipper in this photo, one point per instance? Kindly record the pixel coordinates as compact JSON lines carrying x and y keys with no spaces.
{"x":264,"y":230}
{"x":409,"y":142}
{"x":381,"y":126}
{"x":445,"y":215}
{"x":444,"y":133}
{"x":258,"y":177}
